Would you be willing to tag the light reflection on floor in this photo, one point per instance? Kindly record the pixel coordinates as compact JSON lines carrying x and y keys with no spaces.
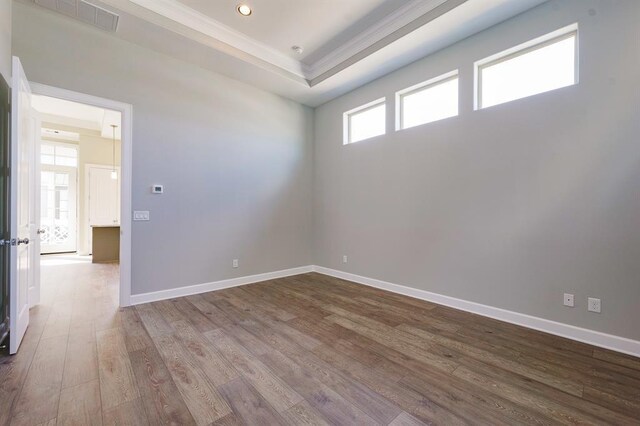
{"x":63,"y":259}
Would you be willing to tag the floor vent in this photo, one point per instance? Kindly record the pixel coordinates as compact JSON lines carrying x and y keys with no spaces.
{"x":83,"y":11}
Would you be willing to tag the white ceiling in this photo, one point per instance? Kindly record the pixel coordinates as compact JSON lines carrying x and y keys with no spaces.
{"x":73,"y":114}
{"x":318,"y":26}
{"x":347,"y":42}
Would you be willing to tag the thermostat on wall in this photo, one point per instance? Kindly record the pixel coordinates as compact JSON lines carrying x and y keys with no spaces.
{"x":157,"y":189}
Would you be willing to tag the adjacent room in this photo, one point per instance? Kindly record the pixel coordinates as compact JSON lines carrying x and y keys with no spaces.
{"x":331,"y":212}
{"x":79,"y":220}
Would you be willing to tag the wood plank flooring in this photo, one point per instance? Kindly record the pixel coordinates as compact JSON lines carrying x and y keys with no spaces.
{"x":303,"y":350}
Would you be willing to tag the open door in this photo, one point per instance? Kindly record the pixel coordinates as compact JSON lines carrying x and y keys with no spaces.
{"x":35,"y":245}
{"x":22,"y":217}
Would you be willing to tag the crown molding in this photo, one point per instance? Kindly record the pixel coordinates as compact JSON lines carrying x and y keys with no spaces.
{"x":177,"y":12}
{"x":383,"y":28}
{"x":300,"y":71}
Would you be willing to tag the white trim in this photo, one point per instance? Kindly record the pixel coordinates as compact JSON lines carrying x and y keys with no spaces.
{"x":125,"y":164}
{"x":346,"y":119}
{"x":137,"y":299}
{"x":596,"y":338}
{"x":522,"y":49}
{"x":191,"y":18}
{"x":391,"y":23}
{"x":386,"y":29}
{"x":425,"y":85}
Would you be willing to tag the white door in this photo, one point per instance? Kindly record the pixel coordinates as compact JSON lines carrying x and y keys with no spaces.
{"x":34,"y":284}
{"x":58,"y":206}
{"x":22,"y":214}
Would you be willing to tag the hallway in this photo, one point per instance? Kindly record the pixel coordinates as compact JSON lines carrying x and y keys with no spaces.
{"x":78,"y":300}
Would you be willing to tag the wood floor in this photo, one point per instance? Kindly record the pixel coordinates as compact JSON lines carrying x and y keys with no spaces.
{"x":301,"y":350}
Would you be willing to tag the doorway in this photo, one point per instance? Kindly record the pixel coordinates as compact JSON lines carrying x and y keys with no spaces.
{"x":80,"y":179}
{"x":96,"y":191}
{"x":43,"y":169}
{"x":58,"y":199}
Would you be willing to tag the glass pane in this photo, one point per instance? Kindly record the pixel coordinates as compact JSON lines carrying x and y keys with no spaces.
{"x":430,"y":104}
{"x":67,"y":161}
{"x":47,"y":149}
{"x":64,"y":151}
{"x":368,"y":123}
{"x":46,"y":159}
{"x":62,"y":179}
{"x":547,"y":68}
{"x":47,"y":179}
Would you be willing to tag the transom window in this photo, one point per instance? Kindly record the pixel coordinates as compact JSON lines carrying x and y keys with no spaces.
{"x":426,"y":102}
{"x":59,"y":155}
{"x":541,"y":65}
{"x":366,"y":121}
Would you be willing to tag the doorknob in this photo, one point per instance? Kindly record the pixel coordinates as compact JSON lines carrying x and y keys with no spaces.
{"x":24,"y":241}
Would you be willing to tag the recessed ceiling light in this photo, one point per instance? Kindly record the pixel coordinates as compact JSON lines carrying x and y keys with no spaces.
{"x":297,"y":49}
{"x":244,"y":10}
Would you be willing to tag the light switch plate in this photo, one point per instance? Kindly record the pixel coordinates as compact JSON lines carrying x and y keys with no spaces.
{"x":141,"y":215}
{"x":157,"y":189}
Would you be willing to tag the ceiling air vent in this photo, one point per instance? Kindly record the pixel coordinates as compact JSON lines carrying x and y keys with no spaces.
{"x":83,"y":11}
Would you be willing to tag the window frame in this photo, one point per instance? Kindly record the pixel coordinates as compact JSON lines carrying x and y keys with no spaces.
{"x":522,"y":49}
{"x":55,"y":144}
{"x":425,"y":85}
{"x":346,"y":120}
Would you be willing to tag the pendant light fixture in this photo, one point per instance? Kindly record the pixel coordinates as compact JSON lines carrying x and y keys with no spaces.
{"x":114,"y":173}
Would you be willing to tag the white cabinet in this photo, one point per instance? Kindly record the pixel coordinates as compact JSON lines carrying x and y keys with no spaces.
{"x":104,"y":196}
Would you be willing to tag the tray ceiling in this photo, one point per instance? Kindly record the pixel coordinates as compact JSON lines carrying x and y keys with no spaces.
{"x":346,"y":43}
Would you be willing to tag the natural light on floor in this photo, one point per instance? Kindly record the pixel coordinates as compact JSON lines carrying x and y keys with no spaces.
{"x":547,"y":68}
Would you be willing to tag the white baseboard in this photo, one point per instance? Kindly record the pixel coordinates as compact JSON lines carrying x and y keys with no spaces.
{"x":596,"y":338}
{"x":137,"y":299}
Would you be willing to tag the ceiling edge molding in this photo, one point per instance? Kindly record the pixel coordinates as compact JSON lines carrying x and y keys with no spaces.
{"x":197,"y":21}
{"x":70,"y":122}
{"x":375,"y":37}
{"x":441,"y":8}
{"x":387,"y":26}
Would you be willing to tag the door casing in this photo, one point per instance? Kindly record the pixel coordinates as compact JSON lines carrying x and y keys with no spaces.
{"x":126,"y":172}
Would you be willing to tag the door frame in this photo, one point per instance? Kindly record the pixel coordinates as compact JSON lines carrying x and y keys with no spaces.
{"x":126,"y":166}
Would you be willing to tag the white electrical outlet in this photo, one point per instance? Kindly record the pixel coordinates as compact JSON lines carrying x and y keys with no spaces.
{"x":235,"y":263}
{"x":345,"y":259}
{"x":593,"y":305}
{"x":568,"y":300}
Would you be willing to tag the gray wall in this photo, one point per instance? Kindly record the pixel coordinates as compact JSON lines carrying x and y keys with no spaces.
{"x":510,"y":206}
{"x":235,"y":161}
{"x":5,"y":39}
